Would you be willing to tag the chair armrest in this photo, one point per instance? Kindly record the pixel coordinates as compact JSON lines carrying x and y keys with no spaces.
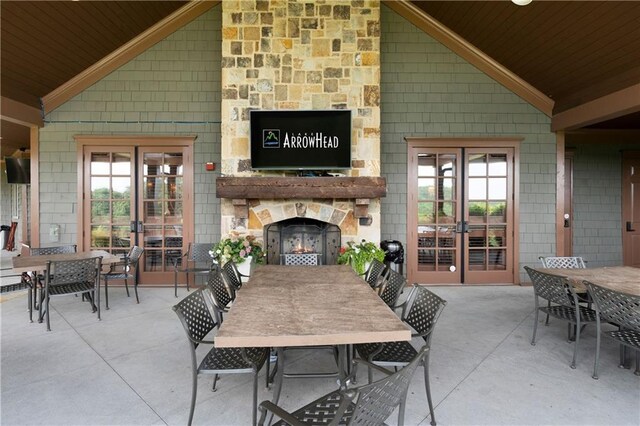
{"x":175,"y":260}
{"x":266,"y":406}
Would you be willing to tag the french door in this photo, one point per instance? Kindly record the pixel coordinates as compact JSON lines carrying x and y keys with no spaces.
{"x":460,"y":214}
{"x":138,"y":195}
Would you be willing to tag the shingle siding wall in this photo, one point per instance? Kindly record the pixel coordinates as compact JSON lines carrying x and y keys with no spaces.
{"x":427,"y":90}
{"x":597,"y":199}
{"x":171,"y":89}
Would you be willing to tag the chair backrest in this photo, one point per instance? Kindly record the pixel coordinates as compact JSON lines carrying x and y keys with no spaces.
{"x":73,"y":271}
{"x":221,"y":294}
{"x":554,"y":288}
{"x":134,"y":255}
{"x":615,"y":307}
{"x":562,"y":262}
{"x":391,"y":287}
{"x":199,"y":252}
{"x":232,"y":275}
{"x":375,"y":271}
{"x":195,"y":316}
{"x":40,"y":251}
{"x":375,"y":402}
{"x":422,"y":310}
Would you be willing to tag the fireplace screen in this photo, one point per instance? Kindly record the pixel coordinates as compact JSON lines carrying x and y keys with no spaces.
{"x":302,"y":241}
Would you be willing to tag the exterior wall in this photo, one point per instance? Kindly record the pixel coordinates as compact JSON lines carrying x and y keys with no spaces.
{"x":171,"y":89}
{"x":597,"y":198}
{"x":427,"y":90}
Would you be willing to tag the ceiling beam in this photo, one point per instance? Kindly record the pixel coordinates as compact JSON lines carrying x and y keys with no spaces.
{"x":472,"y":54}
{"x":19,"y":113}
{"x":125,"y":53}
{"x":616,"y":104}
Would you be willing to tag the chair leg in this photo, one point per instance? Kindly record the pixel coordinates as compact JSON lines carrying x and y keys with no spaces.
{"x":577,"y":340}
{"x":46,"y":310}
{"x":126,"y":286}
{"x":106,"y":293}
{"x":622,"y":356}
{"x":30,"y":304}
{"x":187,"y":274}
{"x":546,"y":321}
{"x":535,"y":326}
{"x":428,"y":389}
{"x":135,"y":289}
{"x":637,"y":372}
{"x":175,"y":282}
{"x":194,"y":391}
{"x":215,"y":381}
{"x":595,"y":363}
{"x":254,"y":414}
{"x":268,"y":368}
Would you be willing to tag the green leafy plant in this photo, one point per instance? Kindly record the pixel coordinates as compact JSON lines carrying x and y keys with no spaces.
{"x":358,"y":255}
{"x":236,"y":248}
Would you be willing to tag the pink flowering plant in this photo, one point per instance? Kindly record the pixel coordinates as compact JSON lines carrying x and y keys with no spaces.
{"x":236,"y":248}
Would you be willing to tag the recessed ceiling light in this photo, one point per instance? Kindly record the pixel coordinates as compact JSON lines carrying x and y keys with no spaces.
{"x":521,"y":2}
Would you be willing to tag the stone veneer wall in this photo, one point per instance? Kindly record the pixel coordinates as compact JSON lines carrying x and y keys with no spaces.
{"x":301,"y":55}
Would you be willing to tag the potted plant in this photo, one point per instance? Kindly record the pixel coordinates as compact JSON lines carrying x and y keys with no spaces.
{"x":239,"y":249}
{"x":360,"y":255}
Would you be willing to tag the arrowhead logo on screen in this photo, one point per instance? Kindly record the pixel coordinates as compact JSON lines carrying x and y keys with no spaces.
{"x":271,"y":138}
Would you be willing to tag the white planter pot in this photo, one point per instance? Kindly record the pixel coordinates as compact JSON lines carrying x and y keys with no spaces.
{"x":245,"y":267}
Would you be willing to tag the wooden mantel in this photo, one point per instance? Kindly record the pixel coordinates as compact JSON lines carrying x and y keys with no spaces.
{"x":360,"y":189}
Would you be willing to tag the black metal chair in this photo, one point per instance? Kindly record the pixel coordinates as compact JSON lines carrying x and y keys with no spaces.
{"x":374,"y":274}
{"x":223,"y":293}
{"x":127,"y":268}
{"x":391,"y":288}
{"x":562,"y":303}
{"x":622,"y":310}
{"x":369,"y":404}
{"x":562,"y":262}
{"x":198,"y":322}
{"x":196,"y":260}
{"x":421,"y":312}
{"x":72,"y":277}
{"x":34,"y":282}
{"x":233,"y":276}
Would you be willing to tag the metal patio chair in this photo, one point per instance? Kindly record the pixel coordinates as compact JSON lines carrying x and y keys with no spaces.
{"x":72,"y":277}
{"x":232,"y":275}
{"x":222,"y":292}
{"x":375,"y":273}
{"x":198,"y":322}
{"x":421,"y":312}
{"x":33,"y":282}
{"x":562,"y":262}
{"x":196,"y":260}
{"x":622,"y":310}
{"x":369,"y":404}
{"x":391,"y":288}
{"x":562,"y":303}
{"x":123,"y":270}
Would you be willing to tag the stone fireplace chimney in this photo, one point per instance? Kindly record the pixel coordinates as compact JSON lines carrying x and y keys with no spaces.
{"x":297,"y":55}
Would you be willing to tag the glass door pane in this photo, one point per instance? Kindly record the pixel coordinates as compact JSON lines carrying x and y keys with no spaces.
{"x":110,"y":199}
{"x":162,"y":209}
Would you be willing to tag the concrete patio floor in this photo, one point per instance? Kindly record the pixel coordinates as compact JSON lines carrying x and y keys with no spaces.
{"x":133,"y":367}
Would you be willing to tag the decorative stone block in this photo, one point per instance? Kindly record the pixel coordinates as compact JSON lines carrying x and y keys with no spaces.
{"x":370,"y":59}
{"x":372,"y":95}
{"x":229,"y":33}
{"x":341,"y":12}
{"x":251,"y":33}
{"x":314,"y":77}
{"x":320,"y":47}
{"x":293,"y":28}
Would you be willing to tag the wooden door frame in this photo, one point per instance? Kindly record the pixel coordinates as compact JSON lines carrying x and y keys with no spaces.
{"x":626,"y":154}
{"x":479,"y":142}
{"x":128,"y":140}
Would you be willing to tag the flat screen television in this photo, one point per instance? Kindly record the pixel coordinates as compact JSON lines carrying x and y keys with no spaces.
{"x":18,"y":170}
{"x":301,"y":140}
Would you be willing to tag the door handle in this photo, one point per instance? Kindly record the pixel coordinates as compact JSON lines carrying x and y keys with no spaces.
{"x":462,"y":227}
{"x":136,"y":226}
{"x":629,"y":229}
{"x":566,"y":220}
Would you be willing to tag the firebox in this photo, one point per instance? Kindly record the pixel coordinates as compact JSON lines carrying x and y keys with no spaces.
{"x":302,"y":241}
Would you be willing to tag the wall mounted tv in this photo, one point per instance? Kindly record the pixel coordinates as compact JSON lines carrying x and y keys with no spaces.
{"x":18,"y":170}
{"x":301,"y":140}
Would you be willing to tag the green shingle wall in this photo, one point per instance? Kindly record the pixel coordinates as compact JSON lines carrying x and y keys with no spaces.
{"x":173,"y":88}
{"x":427,"y":90}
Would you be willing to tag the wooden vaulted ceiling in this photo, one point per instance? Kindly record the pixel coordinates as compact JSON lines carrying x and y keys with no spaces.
{"x":571,"y":51}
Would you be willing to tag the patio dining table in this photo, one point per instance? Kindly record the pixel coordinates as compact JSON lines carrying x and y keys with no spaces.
{"x":284,"y":306}
{"x":624,"y":279}
{"x":39,"y":263}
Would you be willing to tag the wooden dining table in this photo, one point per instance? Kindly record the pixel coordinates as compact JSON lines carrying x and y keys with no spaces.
{"x":624,"y":279}
{"x":284,"y":306}
{"x":39,"y":263}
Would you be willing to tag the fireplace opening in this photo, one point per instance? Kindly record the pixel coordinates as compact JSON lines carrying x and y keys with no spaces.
{"x":302,"y":241}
